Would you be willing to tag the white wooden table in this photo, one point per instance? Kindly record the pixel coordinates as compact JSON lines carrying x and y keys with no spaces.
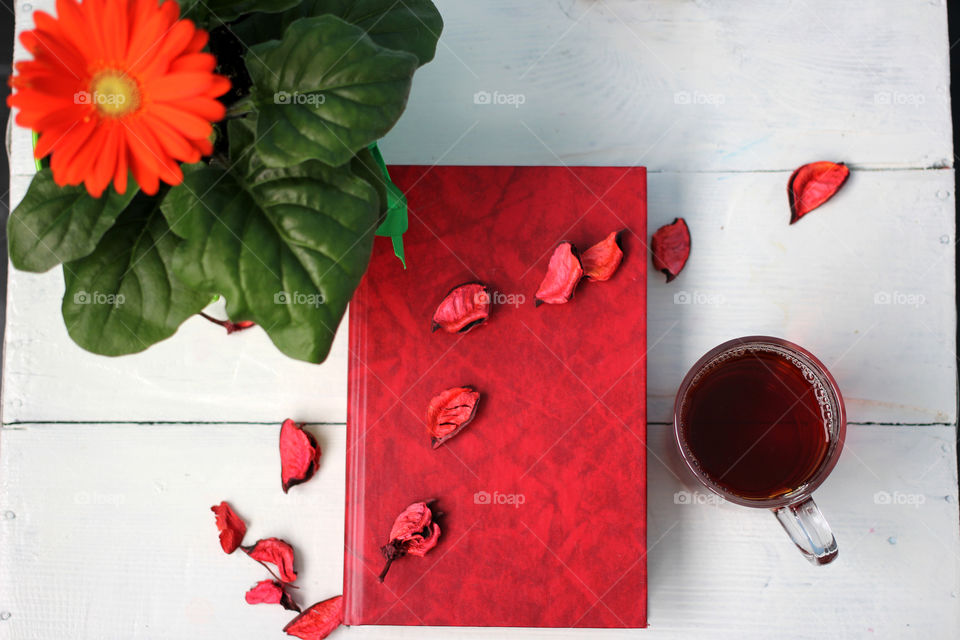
{"x":108,"y":466}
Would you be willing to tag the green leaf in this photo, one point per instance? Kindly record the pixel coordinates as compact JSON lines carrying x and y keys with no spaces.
{"x":365,"y":166}
{"x":123,"y":297}
{"x":413,"y":26}
{"x":55,"y":224}
{"x":325,"y":91}
{"x":211,"y":13}
{"x":286,"y":247}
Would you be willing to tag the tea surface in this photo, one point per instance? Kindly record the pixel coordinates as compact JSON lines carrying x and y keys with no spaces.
{"x":754,"y":424}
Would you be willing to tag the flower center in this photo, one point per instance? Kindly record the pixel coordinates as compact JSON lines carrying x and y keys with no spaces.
{"x":114,"y":94}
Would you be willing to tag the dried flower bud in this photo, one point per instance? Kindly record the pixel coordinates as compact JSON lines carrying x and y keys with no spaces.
{"x":414,"y":533}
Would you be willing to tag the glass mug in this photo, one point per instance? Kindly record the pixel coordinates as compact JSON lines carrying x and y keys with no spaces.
{"x":760,"y":422}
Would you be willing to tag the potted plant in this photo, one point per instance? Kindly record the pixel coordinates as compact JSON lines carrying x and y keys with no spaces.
{"x":214,"y":148}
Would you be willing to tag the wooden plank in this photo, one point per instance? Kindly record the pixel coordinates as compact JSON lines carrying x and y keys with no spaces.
{"x":683,"y":86}
{"x":887,"y":236}
{"x":105,"y":532}
{"x":686,"y":86}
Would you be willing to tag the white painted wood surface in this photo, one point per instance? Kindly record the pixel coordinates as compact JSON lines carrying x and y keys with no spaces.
{"x":105,"y":533}
{"x":105,"y":530}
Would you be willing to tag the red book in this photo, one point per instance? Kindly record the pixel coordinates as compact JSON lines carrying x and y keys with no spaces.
{"x":543,"y":495}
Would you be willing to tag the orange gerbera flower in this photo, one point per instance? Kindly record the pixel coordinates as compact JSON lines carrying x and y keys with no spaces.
{"x":117,"y":84}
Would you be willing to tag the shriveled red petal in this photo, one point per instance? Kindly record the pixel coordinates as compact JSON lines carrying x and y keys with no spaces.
{"x":813,"y":184}
{"x":411,"y":521}
{"x":671,"y":248}
{"x":299,"y":455}
{"x":449,"y":412}
{"x":318,"y":621}
{"x":601,"y":260}
{"x":563,"y":274}
{"x":419,"y":545}
{"x":463,"y":308}
{"x":271,"y":592}
{"x":276,"y":552}
{"x":231,"y":527}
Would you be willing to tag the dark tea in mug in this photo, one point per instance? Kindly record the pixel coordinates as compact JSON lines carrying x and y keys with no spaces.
{"x":758,"y":421}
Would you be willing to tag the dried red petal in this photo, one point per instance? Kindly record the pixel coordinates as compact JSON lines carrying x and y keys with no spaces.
{"x":299,"y":455}
{"x":318,"y":621}
{"x":563,"y":274}
{"x":271,"y":592}
{"x":419,"y":545}
{"x":411,"y":522}
{"x":451,"y":411}
{"x":602,"y":259}
{"x":463,"y":308}
{"x":413,"y":533}
{"x":671,"y":248}
{"x":813,"y":184}
{"x":276,"y":552}
{"x":231,"y":527}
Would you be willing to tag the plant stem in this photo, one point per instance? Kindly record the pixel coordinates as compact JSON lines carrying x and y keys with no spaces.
{"x":386,"y":567}
{"x":226,"y":324}
{"x":241,"y":107}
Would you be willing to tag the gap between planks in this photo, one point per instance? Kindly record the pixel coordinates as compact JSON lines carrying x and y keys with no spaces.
{"x":852,"y":167}
{"x":22,"y":426}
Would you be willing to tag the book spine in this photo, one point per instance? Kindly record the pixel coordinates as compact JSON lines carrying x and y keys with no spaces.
{"x":353,"y":527}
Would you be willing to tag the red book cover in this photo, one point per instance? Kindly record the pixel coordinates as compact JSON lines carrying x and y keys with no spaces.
{"x":543,"y":496}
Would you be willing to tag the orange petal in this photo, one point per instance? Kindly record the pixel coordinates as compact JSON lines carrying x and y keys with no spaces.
{"x":103,"y":167}
{"x":149,"y":27}
{"x":191,"y":125}
{"x":199,"y":41}
{"x":145,"y":177}
{"x":120,"y":172}
{"x":195,"y":62}
{"x":173,"y":143}
{"x":177,"y":86}
{"x":207,"y":108}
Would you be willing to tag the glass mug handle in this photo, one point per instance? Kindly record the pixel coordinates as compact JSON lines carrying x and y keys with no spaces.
{"x":809,"y":530}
